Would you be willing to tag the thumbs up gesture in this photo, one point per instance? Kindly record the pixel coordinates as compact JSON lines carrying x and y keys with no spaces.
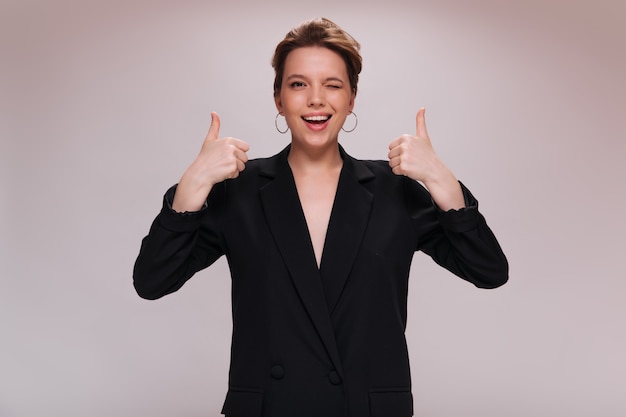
{"x":219,"y":159}
{"x":415,"y":157}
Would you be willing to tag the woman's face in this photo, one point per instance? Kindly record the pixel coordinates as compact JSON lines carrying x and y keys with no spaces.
{"x":315,"y":96}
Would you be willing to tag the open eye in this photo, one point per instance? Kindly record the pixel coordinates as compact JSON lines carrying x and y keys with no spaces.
{"x":296,"y":84}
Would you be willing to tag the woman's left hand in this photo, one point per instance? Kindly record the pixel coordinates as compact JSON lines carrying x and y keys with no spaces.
{"x":415,"y":157}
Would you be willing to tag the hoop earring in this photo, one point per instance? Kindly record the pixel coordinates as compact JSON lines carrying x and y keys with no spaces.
{"x":276,"y":124}
{"x":356,"y":123}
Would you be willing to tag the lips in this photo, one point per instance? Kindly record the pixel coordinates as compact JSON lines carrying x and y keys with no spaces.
{"x":317,"y":119}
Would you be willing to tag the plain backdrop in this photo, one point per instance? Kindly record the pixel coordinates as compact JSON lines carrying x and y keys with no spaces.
{"x":104,"y":103}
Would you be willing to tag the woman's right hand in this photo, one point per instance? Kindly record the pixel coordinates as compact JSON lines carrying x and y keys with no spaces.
{"x":219,"y":159}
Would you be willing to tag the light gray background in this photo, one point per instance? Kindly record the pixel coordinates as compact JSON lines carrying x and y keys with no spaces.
{"x":105,"y":103}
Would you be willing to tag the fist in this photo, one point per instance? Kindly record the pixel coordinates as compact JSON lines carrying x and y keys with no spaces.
{"x":414,"y":156}
{"x":219,"y":158}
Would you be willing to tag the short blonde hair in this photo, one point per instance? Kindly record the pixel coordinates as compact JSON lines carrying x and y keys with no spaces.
{"x":324,"y":33}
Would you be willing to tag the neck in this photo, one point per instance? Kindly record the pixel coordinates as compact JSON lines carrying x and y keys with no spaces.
{"x":318,"y":159}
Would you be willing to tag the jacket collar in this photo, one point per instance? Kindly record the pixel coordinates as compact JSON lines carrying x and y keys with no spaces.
{"x":278,"y":164}
{"x":319,"y":289}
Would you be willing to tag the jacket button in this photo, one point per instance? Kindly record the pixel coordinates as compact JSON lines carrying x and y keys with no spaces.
{"x":334,"y":378}
{"x":277,"y":372}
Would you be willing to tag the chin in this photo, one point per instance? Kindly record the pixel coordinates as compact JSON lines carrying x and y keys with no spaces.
{"x":315,"y":141}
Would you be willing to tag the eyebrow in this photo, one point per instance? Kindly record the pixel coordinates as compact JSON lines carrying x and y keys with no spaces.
{"x":306,"y":78}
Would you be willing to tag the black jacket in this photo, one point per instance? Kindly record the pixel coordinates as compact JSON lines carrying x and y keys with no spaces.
{"x":311,"y":342}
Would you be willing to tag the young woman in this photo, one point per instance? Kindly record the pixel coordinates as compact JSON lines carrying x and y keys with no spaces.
{"x":319,"y":244}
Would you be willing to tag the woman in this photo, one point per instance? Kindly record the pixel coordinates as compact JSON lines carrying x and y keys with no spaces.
{"x":319,"y":244}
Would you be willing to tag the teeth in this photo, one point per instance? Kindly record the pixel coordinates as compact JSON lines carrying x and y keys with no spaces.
{"x":316,"y":118}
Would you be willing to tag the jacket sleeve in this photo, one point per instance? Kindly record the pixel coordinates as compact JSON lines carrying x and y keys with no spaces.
{"x":177,"y":246}
{"x":459,"y":240}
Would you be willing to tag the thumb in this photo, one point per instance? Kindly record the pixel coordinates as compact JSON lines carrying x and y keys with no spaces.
{"x":420,"y":123}
{"x":214,"y":130}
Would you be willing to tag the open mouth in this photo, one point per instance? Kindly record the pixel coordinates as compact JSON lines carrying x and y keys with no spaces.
{"x":316,"y":120}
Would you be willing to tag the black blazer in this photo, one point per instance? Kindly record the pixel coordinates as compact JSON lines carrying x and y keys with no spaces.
{"x":311,"y":342}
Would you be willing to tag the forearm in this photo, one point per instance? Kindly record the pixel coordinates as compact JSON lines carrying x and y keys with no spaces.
{"x":176,"y":247}
{"x":476,"y":256}
{"x":191,"y":194}
{"x":162,"y":265}
{"x":467,"y":246}
{"x":444,"y":188}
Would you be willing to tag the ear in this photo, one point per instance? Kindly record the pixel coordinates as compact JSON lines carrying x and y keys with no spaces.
{"x":279,"y":103}
{"x":352,"y":98}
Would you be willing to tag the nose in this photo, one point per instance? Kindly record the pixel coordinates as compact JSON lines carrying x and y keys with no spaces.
{"x":316,"y":97}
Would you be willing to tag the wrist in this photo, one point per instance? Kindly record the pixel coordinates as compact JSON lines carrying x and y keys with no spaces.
{"x":439,"y":175}
{"x":445,"y":190}
{"x":190,"y":195}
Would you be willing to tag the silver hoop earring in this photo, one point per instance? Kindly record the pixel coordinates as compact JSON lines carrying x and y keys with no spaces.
{"x":356,"y":122}
{"x":276,"y":124}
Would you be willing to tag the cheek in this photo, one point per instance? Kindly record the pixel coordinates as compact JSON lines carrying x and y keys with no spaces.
{"x":291,"y":102}
{"x":345,"y":100}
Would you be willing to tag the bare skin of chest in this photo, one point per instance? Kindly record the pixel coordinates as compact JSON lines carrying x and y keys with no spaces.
{"x":317,"y":195}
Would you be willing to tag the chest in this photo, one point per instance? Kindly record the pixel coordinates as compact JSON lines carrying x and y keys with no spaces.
{"x":317,"y":196}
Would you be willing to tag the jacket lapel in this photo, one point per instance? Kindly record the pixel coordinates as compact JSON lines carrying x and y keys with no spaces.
{"x":283,"y":211}
{"x":346,"y":228}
